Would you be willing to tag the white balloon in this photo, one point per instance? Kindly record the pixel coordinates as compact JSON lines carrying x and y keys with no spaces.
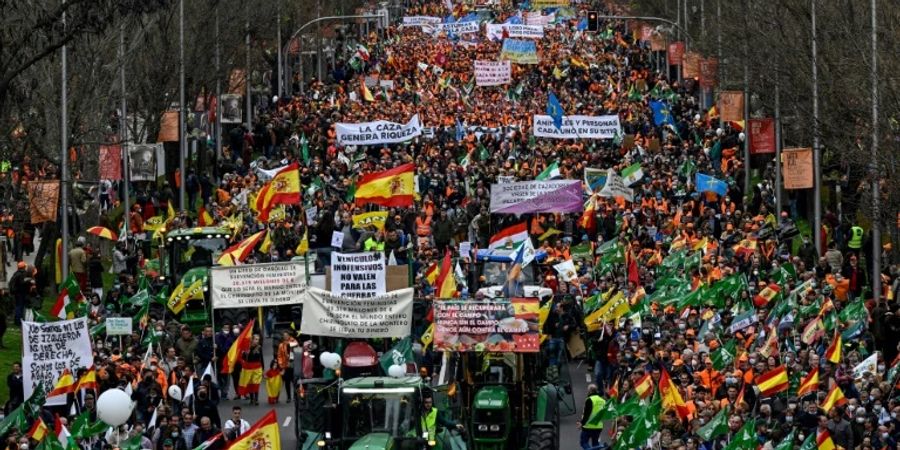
{"x":175,"y":392}
{"x":330,"y":360}
{"x":697,"y":117}
{"x":742,"y":136}
{"x":397,"y":371}
{"x":114,"y":407}
{"x":719,"y":131}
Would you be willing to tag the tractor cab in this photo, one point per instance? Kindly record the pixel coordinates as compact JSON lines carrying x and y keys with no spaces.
{"x":187,"y":255}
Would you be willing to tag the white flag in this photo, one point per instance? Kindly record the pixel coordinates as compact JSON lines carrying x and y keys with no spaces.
{"x":869,"y":365}
{"x":566,"y":270}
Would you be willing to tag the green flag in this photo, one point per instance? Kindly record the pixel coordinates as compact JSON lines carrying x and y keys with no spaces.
{"x":98,"y":329}
{"x":633,"y":94}
{"x":810,"y":443}
{"x":132,"y":443}
{"x":82,"y":428}
{"x":630,"y":407}
{"x":551,"y":172}
{"x":855,"y":310}
{"x":642,"y":428}
{"x":399,"y":354}
{"x":16,"y":419}
{"x":810,"y":309}
{"x":140,"y":298}
{"x":788,"y":442}
{"x":745,"y":437}
{"x":717,"y":426}
{"x":304,"y":148}
{"x":723,"y":356}
{"x":483,"y":153}
{"x":608,"y":411}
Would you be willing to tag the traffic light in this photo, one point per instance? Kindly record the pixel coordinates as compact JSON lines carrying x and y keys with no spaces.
{"x":593,"y":21}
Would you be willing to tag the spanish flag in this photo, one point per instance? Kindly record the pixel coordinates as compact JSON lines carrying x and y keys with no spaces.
{"x":809,"y":384}
{"x":39,"y":430}
{"x":431,"y":273}
{"x":833,"y":353}
{"x":671,"y":398}
{"x":240,"y":345}
{"x":88,"y":380}
{"x":65,"y":384}
{"x":392,"y":188}
{"x":203,"y":218}
{"x":263,"y":434}
{"x":283,"y":189}
{"x":644,"y":386}
{"x":446,"y":282}
{"x":823,"y":441}
{"x":772,"y":382}
{"x":766,"y":295}
{"x":834,"y":398}
{"x":239,"y":252}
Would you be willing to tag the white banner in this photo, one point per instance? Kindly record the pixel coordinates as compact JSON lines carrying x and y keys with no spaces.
{"x":536,"y":18}
{"x":615,"y":187}
{"x":252,"y":285}
{"x":492,"y":73}
{"x":421,"y":20}
{"x":494,"y":31}
{"x":118,"y":326}
{"x":378,"y":132}
{"x":49,"y":348}
{"x":358,"y":275}
{"x":328,"y":314}
{"x":577,"y":127}
{"x":459,"y":27}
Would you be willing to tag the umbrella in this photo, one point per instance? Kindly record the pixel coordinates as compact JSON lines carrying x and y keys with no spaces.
{"x":103,"y":232}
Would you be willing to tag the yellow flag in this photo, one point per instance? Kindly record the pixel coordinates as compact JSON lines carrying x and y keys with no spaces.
{"x":180,"y":295}
{"x":266,"y":244}
{"x":427,"y":336}
{"x":375,"y":218}
{"x":303,"y":246}
{"x":170,"y":212}
{"x":543,"y":314}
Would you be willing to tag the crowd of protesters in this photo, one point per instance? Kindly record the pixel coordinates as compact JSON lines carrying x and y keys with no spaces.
{"x":478,"y":135}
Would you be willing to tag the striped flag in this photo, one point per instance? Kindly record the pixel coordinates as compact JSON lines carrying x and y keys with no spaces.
{"x":65,"y":384}
{"x":39,"y":430}
{"x":809,"y":384}
{"x":671,"y":398}
{"x":833,"y":353}
{"x":823,"y":441}
{"x":241,"y":344}
{"x":772,"y":382}
{"x":644,"y":386}
{"x":515,"y":234}
{"x":834,"y":398}
{"x":209,"y":442}
{"x":766,"y":295}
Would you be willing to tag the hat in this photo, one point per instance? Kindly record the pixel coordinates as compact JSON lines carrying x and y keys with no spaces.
{"x":21,"y":265}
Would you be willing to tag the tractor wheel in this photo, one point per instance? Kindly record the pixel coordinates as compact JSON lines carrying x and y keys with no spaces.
{"x":540,"y":438}
{"x":311,"y":411}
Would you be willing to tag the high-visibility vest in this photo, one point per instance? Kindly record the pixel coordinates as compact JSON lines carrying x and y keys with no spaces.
{"x":429,"y":423}
{"x":423,"y":227}
{"x":594,"y":422}
{"x":373,"y":245}
{"x":856,"y":236}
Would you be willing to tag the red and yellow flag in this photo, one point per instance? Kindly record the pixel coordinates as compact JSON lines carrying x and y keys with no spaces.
{"x":644,"y":386}
{"x":671,"y":398}
{"x":240,"y":251}
{"x":834,"y":398}
{"x":39,"y":430}
{"x":284,"y":189}
{"x":65,"y":384}
{"x":204,"y":219}
{"x":392,"y":188}
{"x":766,"y":295}
{"x":446,"y":282}
{"x":240,"y":345}
{"x":263,"y":434}
{"x":431,"y":273}
{"x":772,"y":382}
{"x":823,"y":441}
{"x":833,"y":353}
{"x":366,"y":93}
{"x":809,"y":384}
{"x":88,"y":380}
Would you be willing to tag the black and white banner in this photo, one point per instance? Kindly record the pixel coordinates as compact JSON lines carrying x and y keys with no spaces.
{"x":492,"y":73}
{"x":378,"y":132}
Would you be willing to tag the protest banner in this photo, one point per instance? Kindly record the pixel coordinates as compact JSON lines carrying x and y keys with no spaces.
{"x":232,"y":111}
{"x":658,"y":42}
{"x":375,"y":219}
{"x":168,"y":127}
{"x":594,"y":179}
{"x":690,"y":65}
{"x":496,"y":31}
{"x":358,"y":275}
{"x":252,"y":285}
{"x":143,"y":161}
{"x":577,"y":127}
{"x":420,"y":20}
{"x":540,"y":4}
{"x":762,"y":136}
{"x":731,"y":106}
{"x":709,"y":72}
{"x":538,"y":19}
{"x":459,"y":27}
{"x":110,"y":162}
{"x":797,"y":168}
{"x":329,"y":314}
{"x":676,"y":53}
{"x":492,"y":326}
{"x":615,"y":187}
{"x":492,"y":73}
{"x":524,"y":197}
{"x":49,"y":348}
{"x":378,"y":132}
{"x":43,"y":200}
{"x":519,"y":51}
{"x":118,"y":326}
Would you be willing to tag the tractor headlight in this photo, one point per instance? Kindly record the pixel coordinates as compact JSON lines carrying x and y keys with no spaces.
{"x":495,"y":427}
{"x":321,"y":443}
{"x":432,"y":443}
{"x":327,"y":435}
{"x":482,"y":427}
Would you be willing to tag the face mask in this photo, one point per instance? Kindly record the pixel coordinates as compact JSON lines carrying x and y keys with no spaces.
{"x":752,"y":361}
{"x":789,"y":419}
{"x":236,"y":331}
{"x":681,"y":326}
{"x":174,"y":434}
{"x":881,"y":367}
{"x":152,"y":367}
{"x":894,"y":415}
{"x":802,"y":437}
{"x":878,"y":408}
{"x":702,"y":421}
{"x":860,"y":419}
{"x":731,"y":380}
{"x":851,"y":408}
{"x":885,"y":435}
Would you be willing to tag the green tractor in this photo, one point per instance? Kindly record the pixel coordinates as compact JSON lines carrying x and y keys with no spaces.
{"x":186,"y":255}
{"x":511,"y":403}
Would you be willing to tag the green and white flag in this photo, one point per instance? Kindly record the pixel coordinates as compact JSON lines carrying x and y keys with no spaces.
{"x":788,"y":442}
{"x":399,"y":354}
{"x":745,"y":437}
{"x":717,"y":426}
{"x":723,"y":356}
{"x":551,"y":172}
{"x":632,"y":174}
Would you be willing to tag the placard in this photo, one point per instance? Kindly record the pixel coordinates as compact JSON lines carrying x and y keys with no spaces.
{"x":43,"y":200}
{"x":615,"y":187}
{"x":494,"y":326}
{"x":143,"y":161}
{"x":762,"y":136}
{"x":525,"y":197}
{"x":492,"y":73}
{"x":690,"y":67}
{"x":519,"y":51}
{"x":676,"y":53}
{"x":378,"y":132}
{"x":459,"y":27}
{"x":118,"y":326}
{"x":731,"y":106}
{"x":111,"y":162}
{"x":496,"y":31}
{"x":49,"y":348}
{"x":577,"y":127}
{"x":337,"y":239}
{"x":358,"y":275}
{"x":797,"y":168}
{"x":709,"y":68}
{"x":420,"y":20}
{"x":383,"y":316}
{"x":465,"y":249}
{"x":252,"y":285}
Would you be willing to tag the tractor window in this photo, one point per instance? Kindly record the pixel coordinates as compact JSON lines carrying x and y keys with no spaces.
{"x":379,"y":413}
{"x":189,"y":253}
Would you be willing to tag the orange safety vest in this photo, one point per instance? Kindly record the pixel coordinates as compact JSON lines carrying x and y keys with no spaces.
{"x":423,"y":227}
